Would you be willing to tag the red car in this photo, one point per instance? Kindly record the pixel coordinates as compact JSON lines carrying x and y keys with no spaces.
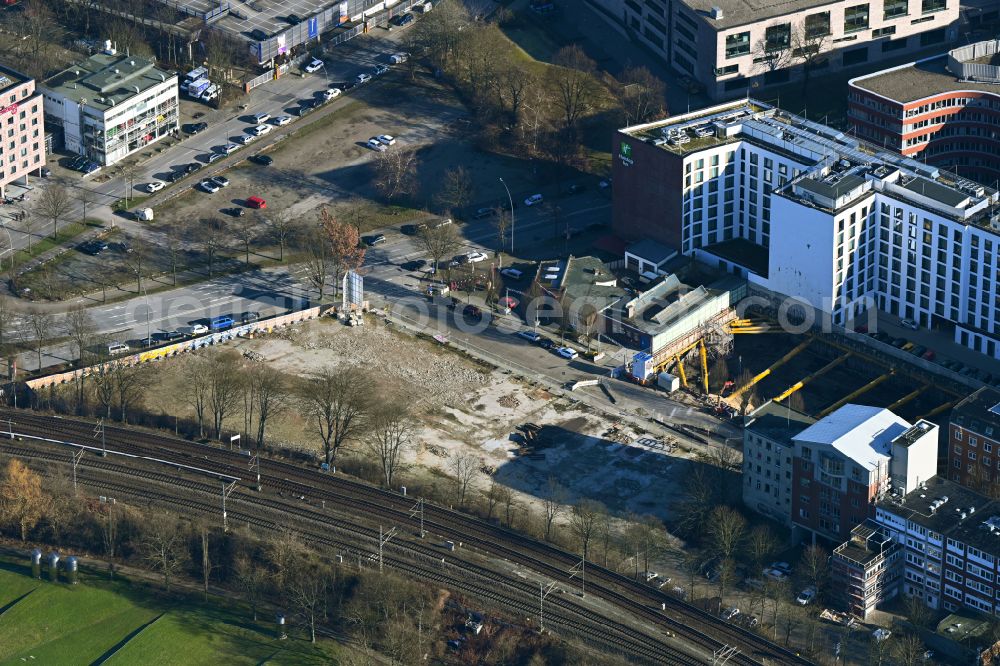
{"x":256,"y":202}
{"x":929,"y":355}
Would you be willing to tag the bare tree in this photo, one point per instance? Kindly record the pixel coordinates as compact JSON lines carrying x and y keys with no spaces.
{"x":213,"y":240}
{"x":54,"y":204}
{"x":390,"y":434}
{"x":175,"y":248}
{"x":395,"y":172}
{"x":642,"y":96}
{"x":197,"y":382}
{"x":513,"y":87}
{"x":908,"y":650}
{"x":440,"y":241}
{"x":223,"y":387}
{"x":252,"y":580}
{"x":814,"y":566}
{"x":246,"y":232}
{"x":163,"y":544}
{"x":282,"y":228}
{"x":576,"y":88}
{"x":86,"y":197}
{"x":270,"y":393}
{"x":438,"y":40}
{"x":698,"y":497}
{"x":492,"y":496}
{"x":129,"y":381}
{"x":39,"y":326}
{"x":307,"y":590}
{"x":726,"y":527}
{"x":109,"y":536}
{"x":318,"y":260}
{"x":206,"y":561}
{"x":810,"y":49}
{"x":554,"y":503}
{"x":761,"y":544}
{"x":509,"y":502}
{"x":334,"y":400}
{"x":465,"y":467}
{"x":770,"y":55}
{"x":129,"y":172}
{"x":456,"y":189}
{"x":583,"y":521}
{"x":137,"y":259}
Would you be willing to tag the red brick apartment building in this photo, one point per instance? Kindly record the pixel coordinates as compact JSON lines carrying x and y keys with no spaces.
{"x":974,"y":442}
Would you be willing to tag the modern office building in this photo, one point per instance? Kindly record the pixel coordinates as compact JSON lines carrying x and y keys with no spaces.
{"x":22,"y":142}
{"x":111,"y":105}
{"x":974,"y":442}
{"x":864,"y":570}
{"x":731,"y":46}
{"x":943,"y":110}
{"x":806,"y":211}
{"x":950,"y":537}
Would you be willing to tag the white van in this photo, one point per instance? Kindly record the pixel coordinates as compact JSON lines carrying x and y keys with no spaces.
{"x":115,"y":348}
{"x":211,"y":93}
{"x":426,"y":7}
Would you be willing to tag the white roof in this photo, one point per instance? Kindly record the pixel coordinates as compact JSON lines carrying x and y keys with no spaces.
{"x":862,"y":433}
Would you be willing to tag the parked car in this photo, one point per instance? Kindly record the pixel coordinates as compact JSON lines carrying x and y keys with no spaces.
{"x":235,"y":211}
{"x":530,"y":336}
{"x":199,"y":329}
{"x":229,"y":148}
{"x":881,"y":634}
{"x":281,"y":121}
{"x":314,"y":66}
{"x":256,"y":202}
{"x":221,"y":181}
{"x":898,"y":343}
{"x":568,"y":353}
{"x":476,"y":257}
{"x":918,"y":350}
{"x":155,"y":186}
{"x":214,"y":157}
{"x":209,"y":186}
{"x":194,"y":128}
{"x":115,"y":348}
{"x":192,"y":167}
{"x":806,"y":596}
{"x":331,"y":93}
{"x":262,"y":117}
{"x":729,"y":613}
{"x":375,"y":144}
{"x":482,"y":213}
{"x":293,"y":19}
{"x":546,"y":343}
{"x":512,"y":273}
{"x":172,"y":335}
{"x":260,"y":130}
{"x":377,"y":239}
{"x":386,"y":139}
{"x":784,"y":567}
{"x":910,"y":324}
{"x":399,"y":58}
{"x":221,"y":323}
{"x":929,"y":355}
{"x":245,"y":139}
{"x":415,"y":265}
{"x":363,"y":78}
{"x":249,"y":317}
{"x":533,"y":199}
{"x":379,"y":70}
{"x":262,"y":160}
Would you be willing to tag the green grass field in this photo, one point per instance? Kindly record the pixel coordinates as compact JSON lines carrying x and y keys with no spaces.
{"x":98,"y":622}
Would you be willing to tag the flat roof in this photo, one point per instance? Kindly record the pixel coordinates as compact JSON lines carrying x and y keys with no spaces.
{"x":861,"y":432}
{"x":919,"y":80}
{"x":778,"y":422}
{"x":979,"y":412}
{"x":743,"y":252}
{"x":974,"y":530}
{"x":651,"y":251}
{"x":742,"y":12}
{"x":928,"y":188}
{"x":10,"y":78}
{"x":104,"y":81}
{"x":270,"y":17}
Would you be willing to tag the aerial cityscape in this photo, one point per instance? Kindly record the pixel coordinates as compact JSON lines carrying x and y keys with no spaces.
{"x":500,"y":332}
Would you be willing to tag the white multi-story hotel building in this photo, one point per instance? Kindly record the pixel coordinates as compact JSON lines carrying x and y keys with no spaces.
{"x":733,"y":45}
{"x":809,"y":212}
{"x":111,"y":105}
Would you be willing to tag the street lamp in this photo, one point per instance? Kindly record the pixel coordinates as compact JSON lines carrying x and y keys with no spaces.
{"x":511,"y":214}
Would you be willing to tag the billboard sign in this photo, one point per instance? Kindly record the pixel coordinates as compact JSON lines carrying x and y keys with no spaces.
{"x":625,"y":153}
{"x":313,"y":28}
{"x":353,"y":289}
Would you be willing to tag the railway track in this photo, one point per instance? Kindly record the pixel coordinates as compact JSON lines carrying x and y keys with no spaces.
{"x":347,"y":495}
{"x":135,"y":485}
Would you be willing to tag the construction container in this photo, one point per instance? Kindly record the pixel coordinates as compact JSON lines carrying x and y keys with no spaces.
{"x":280,"y":621}
{"x":668,"y":382}
{"x":642,"y":366}
{"x":71,"y":570}
{"x":53,"y":561}
{"x":36,"y":563}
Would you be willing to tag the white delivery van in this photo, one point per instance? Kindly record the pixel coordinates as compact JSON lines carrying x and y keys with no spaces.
{"x":144,"y":214}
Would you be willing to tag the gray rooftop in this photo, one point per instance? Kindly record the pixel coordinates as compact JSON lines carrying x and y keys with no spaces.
{"x":918,"y":80}
{"x":8,"y":78}
{"x":111,"y":78}
{"x":742,"y":12}
{"x":651,"y":251}
{"x":778,"y":422}
{"x":947,"y":519}
{"x":832,"y":190}
{"x":942,"y":193}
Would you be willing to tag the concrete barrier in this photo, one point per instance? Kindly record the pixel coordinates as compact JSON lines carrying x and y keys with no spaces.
{"x":191,"y":344}
{"x":583,"y":382}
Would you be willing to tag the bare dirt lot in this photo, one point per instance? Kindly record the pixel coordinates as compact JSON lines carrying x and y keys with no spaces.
{"x":463,"y":407}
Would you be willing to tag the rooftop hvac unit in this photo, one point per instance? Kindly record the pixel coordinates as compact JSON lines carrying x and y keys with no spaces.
{"x":717,"y":13}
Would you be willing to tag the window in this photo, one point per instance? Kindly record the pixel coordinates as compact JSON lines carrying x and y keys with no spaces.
{"x":895,"y":9}
{"x":884,"y":32}
{"x":929,"y":6}
{"x":728,"y":69}
{"x":932,"y":37}
{"x":737,"y":44}
{"x":856,"y":56}
{"x":778,"y":37}
{"x":856,"y":18}
{"x":818,"y":25}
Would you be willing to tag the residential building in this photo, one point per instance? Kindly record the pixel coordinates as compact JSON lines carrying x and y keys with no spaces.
{"x":943,"y":110}
{"x":111,"y":105}
{"x":767,"y":459}
{"x":950,"y":538}
{"x":22,"y":128}
{"x":803,"y":210}
{"x":864,"y":570}
{"x":731,"y":46}
{"x":974,"y":442}
{"x":850,"y":458}
{"x":577,"y":291}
